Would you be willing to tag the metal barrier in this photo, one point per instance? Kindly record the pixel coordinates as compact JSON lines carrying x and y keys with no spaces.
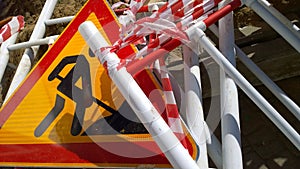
{"x":227,"y":155}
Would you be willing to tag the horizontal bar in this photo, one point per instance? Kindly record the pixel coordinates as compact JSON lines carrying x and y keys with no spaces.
{"x":214,"y":17}
{"x":4,"y":53}
{"x":58,"y":20}
{"x":28,"y":56}
{"x":28,"y":44}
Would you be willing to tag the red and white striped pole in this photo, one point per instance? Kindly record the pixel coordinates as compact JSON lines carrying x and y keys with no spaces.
{"x":145,"y":111}
{"x":186,"y":21}
{"x":12,"y":27}
{"x":173,"y":117}
{"x":171,"y":44}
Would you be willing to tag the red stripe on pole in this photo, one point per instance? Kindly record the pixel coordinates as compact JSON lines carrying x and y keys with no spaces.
{"x":172,"y":110}
{"x":166,"y":84}
{"x":144,"y":8}
{"x":13,"y":26}
{"x":6,"y":33}
{"x":217,"y":1}
{"x":179,"y":14}
{"x":21,"y":21}
{"x":222,"y":12}
{"x":166,"y":48}
{"x":197,"y":2}
{"x":176,"y":6}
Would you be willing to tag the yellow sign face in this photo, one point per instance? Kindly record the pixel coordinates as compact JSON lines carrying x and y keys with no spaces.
{"x":68,"y":112}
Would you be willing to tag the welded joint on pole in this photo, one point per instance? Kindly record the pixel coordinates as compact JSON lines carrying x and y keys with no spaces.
{"x":265,"y":3}
{"x":154,"y":8}
{"x":192,"y":31}
{"x":268,"y":5}
{"x":296,"y":28}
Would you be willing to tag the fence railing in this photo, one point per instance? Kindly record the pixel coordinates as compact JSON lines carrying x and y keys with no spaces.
{"x":186,"y":21}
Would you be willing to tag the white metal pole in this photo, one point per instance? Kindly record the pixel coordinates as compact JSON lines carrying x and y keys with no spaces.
{"x":215,"y":151}
{"x":230,"y":119}
{"x":252,"y":93}
{"x":276,"y":90}
{"x":293,"y":27}
{"x":58,"y":20}
{"x":30,"y":53}
{"x":28,"y":44}
{"x":4,"y":53}
{"x":145,"y":111}
{"x":193,"y":103}
{"x":286,"y":33}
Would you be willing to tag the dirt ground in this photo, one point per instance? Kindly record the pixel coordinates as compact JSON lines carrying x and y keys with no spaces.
{"x":31,"y":10}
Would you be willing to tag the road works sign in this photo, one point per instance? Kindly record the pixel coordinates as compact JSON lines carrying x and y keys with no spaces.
{"x":68,"y":112}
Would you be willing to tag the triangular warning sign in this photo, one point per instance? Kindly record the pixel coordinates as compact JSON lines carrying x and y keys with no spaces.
{"x":68,"y":112}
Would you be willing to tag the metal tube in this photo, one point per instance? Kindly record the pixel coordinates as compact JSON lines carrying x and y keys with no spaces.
{"x":28,"y":44}
{"x":149,"y":7}
{"x":280,"y":94}
{"x":276,"y":90}
{"x":58,"y":20}
{"x":166,"y":48}
{"x":173,"y":43}
{"x":4,"y":53}
{"x":230,"y":119}
{"x":293,"y":27}
{"x":193,"y":103}
{"x":252,"y":93}
{"x":274,"y":22}
{"x":215,"y":152}
{"x":145,"y":111}
{"x":30,"y":53}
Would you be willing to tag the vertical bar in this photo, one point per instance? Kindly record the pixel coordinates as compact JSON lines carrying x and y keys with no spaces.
{"x":4,"y":53}
{"x":173,"y":118}
{"x":276,"y":90}
{"x":193,"y":103}
{"x":215,"y":152}
{"x":145,"y":111}
{"x":30,"y":53}
{"x":230,"y":120}
{"x":251,"y":92}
